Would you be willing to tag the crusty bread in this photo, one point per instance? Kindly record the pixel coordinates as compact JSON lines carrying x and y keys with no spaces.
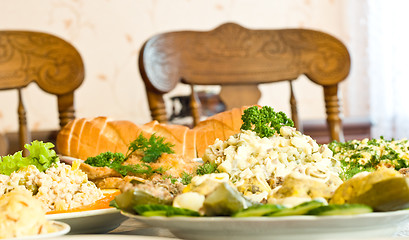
{"x":83,"y":138}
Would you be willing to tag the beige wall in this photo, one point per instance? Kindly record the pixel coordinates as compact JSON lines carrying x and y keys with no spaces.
{"x":109,"y":33}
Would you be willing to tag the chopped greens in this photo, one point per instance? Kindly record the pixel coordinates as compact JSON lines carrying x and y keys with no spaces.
{"x":206,"y":168}
{"x":41,"y":155}
{"x":358,"y":156}
{"x":151,"y":149}
{"x":264,"y":121}
{"x":186,"y":178}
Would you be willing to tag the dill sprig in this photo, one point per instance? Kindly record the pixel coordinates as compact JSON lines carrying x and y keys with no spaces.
{"x":151,"y":148}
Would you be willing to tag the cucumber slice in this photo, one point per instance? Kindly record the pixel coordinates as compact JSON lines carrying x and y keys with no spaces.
{"x":258,"y":210}
{"x":154,"y":213}
{"x":163,"y":210}
{"x":300,"y":209}
{"x":340,"y":209}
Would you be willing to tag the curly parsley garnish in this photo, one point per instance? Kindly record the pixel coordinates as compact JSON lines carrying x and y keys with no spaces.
{"x":264,"y":121}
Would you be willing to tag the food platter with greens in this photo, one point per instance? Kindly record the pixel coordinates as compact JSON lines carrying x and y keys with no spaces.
{"x":272,"y":180}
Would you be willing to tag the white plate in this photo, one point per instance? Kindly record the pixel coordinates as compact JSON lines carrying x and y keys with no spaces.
{"x":62,"y":228}
{"x":92,"y":221}
{"x":111,"y":237}
{"x":371,"y":225}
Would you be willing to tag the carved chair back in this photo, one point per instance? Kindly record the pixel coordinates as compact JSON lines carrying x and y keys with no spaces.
{"x":49,"y":61}
{"x":239,"y":59}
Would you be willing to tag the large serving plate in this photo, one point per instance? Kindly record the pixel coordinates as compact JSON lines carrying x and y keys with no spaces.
{"x":371,"y":225}
{"x":61,"y":229}
{"x":110,"y":237}
{"x":92,"y":221}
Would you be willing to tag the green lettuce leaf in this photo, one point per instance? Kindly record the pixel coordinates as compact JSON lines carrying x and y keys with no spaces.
{"x":41,"y":155}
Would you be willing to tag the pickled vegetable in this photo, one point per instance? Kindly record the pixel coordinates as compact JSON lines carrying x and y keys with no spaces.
{"x":388,"y":195}
{"x":133,"y":197}
{"x":383,"y":190}
{"x":224,"y":201}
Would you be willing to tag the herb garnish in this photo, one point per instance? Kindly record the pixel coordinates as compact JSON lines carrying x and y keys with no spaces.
{"x":206,"y":168}
{"x":151,"y":149}
{"x":264,"y":121}
{"x":186,"y":178}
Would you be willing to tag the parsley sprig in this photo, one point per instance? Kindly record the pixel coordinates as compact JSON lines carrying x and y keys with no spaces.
{"x":264,"y":121}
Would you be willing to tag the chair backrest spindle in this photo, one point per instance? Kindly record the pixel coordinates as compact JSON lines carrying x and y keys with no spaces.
{"x":24,"y":136}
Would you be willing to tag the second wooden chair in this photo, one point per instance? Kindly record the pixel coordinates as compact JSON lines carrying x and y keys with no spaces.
{"x":239,"y":59}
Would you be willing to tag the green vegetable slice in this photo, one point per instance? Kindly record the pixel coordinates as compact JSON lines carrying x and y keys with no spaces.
{"x":340,"y":209}
{"x":150,"y":210}
{"x":258,"y":210}
{"x":300,"y":209}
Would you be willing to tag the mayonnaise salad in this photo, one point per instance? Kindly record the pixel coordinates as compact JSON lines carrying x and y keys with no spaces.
{"x":257,"y":166}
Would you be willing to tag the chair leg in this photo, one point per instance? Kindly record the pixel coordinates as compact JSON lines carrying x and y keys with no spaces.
{"x":194,"y":105}
{"x":294,"y":109}
{"x":333,"y":113}
{"x":24,"y":132}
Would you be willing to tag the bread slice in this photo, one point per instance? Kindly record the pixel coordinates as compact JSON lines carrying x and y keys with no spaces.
{"x":83,"y":138}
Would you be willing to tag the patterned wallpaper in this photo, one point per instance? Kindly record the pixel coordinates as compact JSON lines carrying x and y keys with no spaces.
{"x":109,"y":33}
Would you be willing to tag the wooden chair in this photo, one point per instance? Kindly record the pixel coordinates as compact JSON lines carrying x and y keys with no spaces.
{"x":239,"y":59}
{"x":52,"y":63}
